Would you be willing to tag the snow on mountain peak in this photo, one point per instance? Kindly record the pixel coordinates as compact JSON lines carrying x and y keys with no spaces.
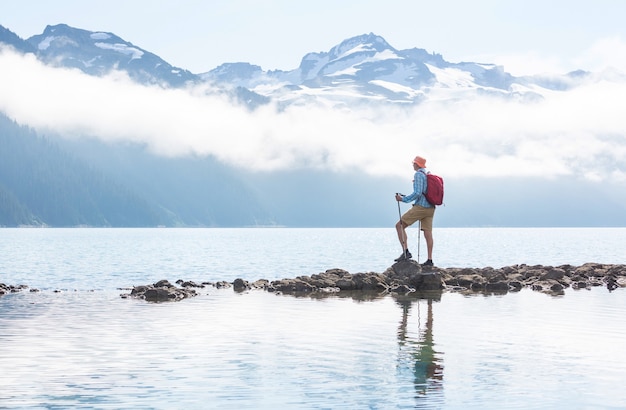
{"x":341,"y":59}
{"x":97,"y":53}
{"x":360,"y":68}
{"x":364,"y":42}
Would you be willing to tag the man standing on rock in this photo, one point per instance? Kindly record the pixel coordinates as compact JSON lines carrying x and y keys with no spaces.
{"x":421,"y":211}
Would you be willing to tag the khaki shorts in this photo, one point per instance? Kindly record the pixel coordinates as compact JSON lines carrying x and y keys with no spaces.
{"x":419,"y":213}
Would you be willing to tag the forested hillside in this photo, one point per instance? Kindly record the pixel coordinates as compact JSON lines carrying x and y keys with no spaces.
{"x":190,"y":190}
{"x":41,"y":184}
{"x":12,"y":212}
{"x":56,"y":182}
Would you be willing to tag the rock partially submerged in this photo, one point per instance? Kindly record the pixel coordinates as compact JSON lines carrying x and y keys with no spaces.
{"x":548,"y":279}
{"x":4,"y":289}
{"x":401,"y":278}
{"x":409,"y":276}
{"x":163,"y":291}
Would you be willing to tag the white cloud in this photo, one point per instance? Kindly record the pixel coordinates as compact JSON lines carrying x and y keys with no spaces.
{"x":604,"y":53}
{"x":529,"y":63}
{"x":581,"y":132}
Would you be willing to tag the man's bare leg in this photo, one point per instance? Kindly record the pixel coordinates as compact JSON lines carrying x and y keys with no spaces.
{"x":401,"y":229}
{"x":428,"y":235}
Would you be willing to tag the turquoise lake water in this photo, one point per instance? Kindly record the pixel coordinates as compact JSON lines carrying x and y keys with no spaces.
{"x":84,"y":346}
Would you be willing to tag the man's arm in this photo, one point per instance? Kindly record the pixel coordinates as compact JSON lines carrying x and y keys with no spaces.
{"x":418,"y":187}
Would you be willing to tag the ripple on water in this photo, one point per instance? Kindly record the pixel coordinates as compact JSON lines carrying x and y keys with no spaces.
{"x":260,"y":350}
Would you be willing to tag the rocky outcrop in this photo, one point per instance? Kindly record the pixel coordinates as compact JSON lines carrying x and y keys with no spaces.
{"x":163,"y":291}
{"x":4,"y":289}
{"x":333,"y":280}
{"x":401,"y":278}
{"x":549,"y":279}
{"x":409,"y":276}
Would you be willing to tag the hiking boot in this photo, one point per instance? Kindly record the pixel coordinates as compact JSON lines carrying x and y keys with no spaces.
{"x":429,"y":262}
{"x":404,"y":257}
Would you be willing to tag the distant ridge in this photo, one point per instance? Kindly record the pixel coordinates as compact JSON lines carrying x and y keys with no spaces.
{"x":364,"y":69}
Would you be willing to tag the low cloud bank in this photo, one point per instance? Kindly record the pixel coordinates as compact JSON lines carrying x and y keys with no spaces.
{"x":580,"y":132}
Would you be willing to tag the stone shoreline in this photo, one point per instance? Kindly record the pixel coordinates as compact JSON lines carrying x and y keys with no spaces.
{"x":401,"y":278}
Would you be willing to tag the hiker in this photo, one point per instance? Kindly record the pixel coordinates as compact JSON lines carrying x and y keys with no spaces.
{"x":421,"y":211}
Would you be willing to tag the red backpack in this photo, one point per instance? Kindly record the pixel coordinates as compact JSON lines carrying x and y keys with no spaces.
{"x":434,"y":189}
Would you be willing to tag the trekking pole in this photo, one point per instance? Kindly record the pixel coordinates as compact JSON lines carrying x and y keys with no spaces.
{"x":399,"y":214}
{"x":419,"y":233}
{"x":400,"y":218}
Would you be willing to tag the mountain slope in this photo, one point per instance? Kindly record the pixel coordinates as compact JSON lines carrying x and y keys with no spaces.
{"x":97,"y":53}
{"x":59,"y":182}
{"x":41,"y":184}
{"x":13,"y":212}
{"x":192,"y":191}
{"x":13,"y":40}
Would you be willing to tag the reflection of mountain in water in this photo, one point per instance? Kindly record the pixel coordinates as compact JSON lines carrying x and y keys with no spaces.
{"x":416,"y":346}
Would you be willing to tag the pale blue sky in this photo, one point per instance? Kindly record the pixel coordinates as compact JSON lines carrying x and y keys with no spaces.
{"x":525,"y":36}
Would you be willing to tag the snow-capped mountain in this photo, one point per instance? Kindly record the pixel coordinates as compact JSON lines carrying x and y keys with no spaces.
{"x":361,"y":70}
{"x":97,"y":53}
{"x":366,"y":69}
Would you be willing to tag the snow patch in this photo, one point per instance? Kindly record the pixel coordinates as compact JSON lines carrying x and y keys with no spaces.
{"x":383,"y":55}
{"x":45,"y":43}
{"x":395,"y":87}
{"x":452,"y":77}
{"x":100,"y":36}
{"x":379,"y":56}
{"x":357,"y":49}
{"x":122,"y":48}
{"x":90,"y":63}
{"x":59,"y":41}
{"x":352,"y":70}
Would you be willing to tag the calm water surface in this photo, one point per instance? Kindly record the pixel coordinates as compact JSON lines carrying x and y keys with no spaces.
{"x":86,"y":347}
{"x":109,"y":258}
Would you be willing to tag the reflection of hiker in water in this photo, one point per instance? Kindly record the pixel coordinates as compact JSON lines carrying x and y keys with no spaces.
{"x":426,"y":364}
